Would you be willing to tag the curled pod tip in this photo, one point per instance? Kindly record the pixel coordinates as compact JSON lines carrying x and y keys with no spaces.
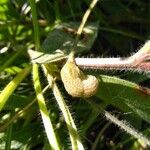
{"x":90,"y":85}
{"x":76,"y":83}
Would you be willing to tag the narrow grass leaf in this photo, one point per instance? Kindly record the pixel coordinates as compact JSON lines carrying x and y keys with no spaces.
{"x":44,"y":112}
{"x":9,"y":89}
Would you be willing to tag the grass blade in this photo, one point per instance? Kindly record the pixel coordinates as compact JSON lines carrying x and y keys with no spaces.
{"x":44,"y":112}
{"x":9,"y":89}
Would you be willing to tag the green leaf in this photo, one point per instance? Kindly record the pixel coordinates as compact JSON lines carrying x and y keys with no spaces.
{"x":40,"y":57}
{"x":63,"y":37}
{"x":61,"y":40}
{"x":125,"y":95}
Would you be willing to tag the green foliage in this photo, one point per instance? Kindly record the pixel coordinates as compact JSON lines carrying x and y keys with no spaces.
{"x":126,"y":95}
{"x":29,"y":112}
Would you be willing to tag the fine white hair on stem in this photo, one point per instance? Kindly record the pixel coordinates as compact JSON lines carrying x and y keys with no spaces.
{"x":137,"y":61}
{"x":125,"y":126}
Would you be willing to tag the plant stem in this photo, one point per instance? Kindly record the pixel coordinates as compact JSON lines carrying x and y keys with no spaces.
{"x":137,"y":61}
{"x":83,"y":22}
{"x":75,"y":140}
{"x":74,"y":137}
{"x":35,"y":25}
{"x":111,"y":64}
{"x":123,"y":125}
{"x":44,"y":112}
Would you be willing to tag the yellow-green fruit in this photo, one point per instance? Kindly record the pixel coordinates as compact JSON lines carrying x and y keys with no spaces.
{"x":76,"y":83}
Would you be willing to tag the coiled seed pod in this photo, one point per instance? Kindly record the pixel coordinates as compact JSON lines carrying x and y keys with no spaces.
{"x":76,"y":83}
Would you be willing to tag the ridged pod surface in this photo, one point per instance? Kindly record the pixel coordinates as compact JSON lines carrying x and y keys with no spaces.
{"x":76,"y":83}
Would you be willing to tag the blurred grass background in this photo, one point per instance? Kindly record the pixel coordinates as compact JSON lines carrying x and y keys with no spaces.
{"x":123,"y":26}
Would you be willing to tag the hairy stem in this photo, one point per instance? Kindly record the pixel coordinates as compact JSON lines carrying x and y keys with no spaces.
{"x":73,"y":133}
{"x":137,"y":61}
{"x":123,"y":125}
{"x":111,"y":63}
